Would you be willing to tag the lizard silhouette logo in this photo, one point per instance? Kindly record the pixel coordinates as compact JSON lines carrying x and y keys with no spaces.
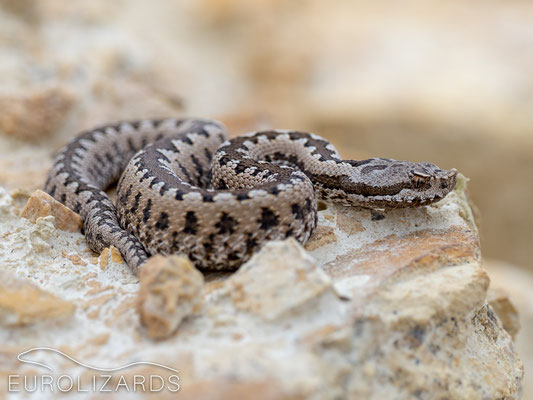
{"x":102,"y":380}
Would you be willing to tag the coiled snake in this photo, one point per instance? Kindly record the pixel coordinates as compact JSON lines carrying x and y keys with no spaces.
{"x":184,"y":188}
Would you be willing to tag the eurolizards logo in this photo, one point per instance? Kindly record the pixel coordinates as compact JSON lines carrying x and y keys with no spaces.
{"x":102,"y":380}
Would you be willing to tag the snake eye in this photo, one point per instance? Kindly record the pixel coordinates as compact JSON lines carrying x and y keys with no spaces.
{"x":419,"y":178}
{"x":418,"y":181}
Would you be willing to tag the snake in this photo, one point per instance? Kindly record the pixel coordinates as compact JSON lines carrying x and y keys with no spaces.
{"x":185,"y":187}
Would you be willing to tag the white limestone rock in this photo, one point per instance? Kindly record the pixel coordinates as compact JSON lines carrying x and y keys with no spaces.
{"x":394,"y":307}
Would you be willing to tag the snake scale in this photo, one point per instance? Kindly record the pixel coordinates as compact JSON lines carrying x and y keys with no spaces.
{"x":184,"y":188}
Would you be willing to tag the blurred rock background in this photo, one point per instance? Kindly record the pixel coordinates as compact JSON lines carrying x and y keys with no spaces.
{"x":446,"y":82}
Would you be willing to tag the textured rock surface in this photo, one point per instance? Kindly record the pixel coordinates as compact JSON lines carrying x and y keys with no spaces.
{"x":23,"y":303}
{"x":170,"y":287}
{"x":515,"y":282}
{"x":34,"y":116}
{"x":393,"y":307}
{"x":41,"y":204}
{"x":448,"y":82}
{"x":499,"y":300}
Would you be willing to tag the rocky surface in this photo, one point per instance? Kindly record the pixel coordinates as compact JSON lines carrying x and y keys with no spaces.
{"x":41,"y":204}
{"x":169,"y":289}
{"x":510,"y":282}
{"x":393,"y":306}
{"x":23,"y":303}
{"x":445,"y":82}
{"x":48,"y":107}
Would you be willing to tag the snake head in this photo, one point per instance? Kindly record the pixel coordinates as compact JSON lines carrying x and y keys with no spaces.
{"x":429,"y":180}
{"x":386,"y":183}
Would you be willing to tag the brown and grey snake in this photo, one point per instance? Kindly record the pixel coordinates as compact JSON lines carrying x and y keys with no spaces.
{"x":185,"y":188}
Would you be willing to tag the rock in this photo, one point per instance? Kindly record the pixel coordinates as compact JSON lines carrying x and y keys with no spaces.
{"x":41,"y":204}
{"x":110,"y":254}
{"x":23,"y":303}
{"x":76,"y":260}
{"x":507,"y":313}
{"x":394,"y":307}
{"x":34,"y":116}
{"x":170,"y":288}
{"x":322,"y":236}
{"x":511,"y":290}
{"x":23,"y":169}
{"x":396,"y":111}
{"x":277,"y":281}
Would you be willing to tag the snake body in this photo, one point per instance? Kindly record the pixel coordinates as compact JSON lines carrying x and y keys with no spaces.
{"x":184,"y":188}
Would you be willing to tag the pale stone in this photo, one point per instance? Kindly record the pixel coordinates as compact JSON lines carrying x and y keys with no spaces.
{"x":322,"y":236}
{"x":109,"y":254}
{"x":347,"y":223}
{"x":41,"y":204}
{"x":116,"y":257}
{"x":169,"y":289}
{"x":23,"y":303}
{"x":507,"y":313}
{"x":76,"y":259}
{"x":36,"y":115}
{"x":104,"y":258}
{"x":394,"y":308}
{"x":462,"y":117}
{"x":278,"y":280}
{"x":511,"y":289}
